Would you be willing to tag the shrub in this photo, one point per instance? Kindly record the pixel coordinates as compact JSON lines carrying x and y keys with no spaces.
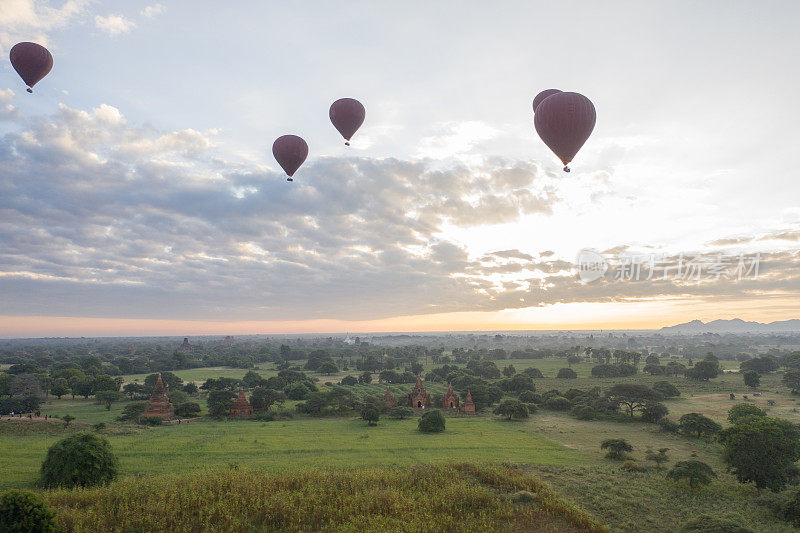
{"x":585,"y":412}
{"x":567,"y":373}
{"x":657,"y":457}
{"x":632,"y":466}
{"x":529,"y":397}
{"x":133,"y":411}
{"x":617,"y":448}
{"x":533,"y":373}
{"x":699,"y":425}
{"x":151,"y":420}
{"x":791,"y":511}
{"x":741,"y":410}
{"x":22,"y":511}
{"x":669,"y":426}
{"x":654,"y":412}
{"x":188,"y":409}
{"x":349,"y":380}
{"x":400,"y":412}
{"x":558,"y":403}
{"x":80,"y":460}
{"x":432,"y":422}
{"x":667,"y":389}
{"x":512,"y":409}
{"x":712,"y":524}
{"x":524,"y":496}
{"x":371,"y":415}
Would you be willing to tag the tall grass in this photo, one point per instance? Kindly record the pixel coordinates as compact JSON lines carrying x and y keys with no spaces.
{"x":460,"y":497}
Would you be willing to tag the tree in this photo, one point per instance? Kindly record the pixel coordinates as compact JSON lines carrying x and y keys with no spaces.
{"x":328,"y":368}
{"x":365,"y":378}
{"x":81,"y":460}
{"x":108,"y":397}
{"x":220,"y":402}
{"x":573,"y":360}
{"x":517,"y":384}
{"x":695,"y":423}
{"x":59,"y":388}
{"x":190,"y":389}
{"x":741,"y":410}
{"x":67,"y":419}
{"x":658,"y":458}
{"x":371,"y":415}
{"x":666,"y":389}
{"x":704,"y":370}
{"x":169,"y":379}
{"x":188,"y":410}
{"x":653,"y":412}
{"x":349,"y":380}
{"x":533,"y":373}
{"x":567,"y":373}
{"x":633,"y":396}
{"x":751,"y":378}
{"x":22,"y":511}
{"x":675,"y":368}
{"x":252,"y":379}
{"x":791,"y":378}
{"x":431,"y":422}
{"x":618,"y":449}
{"x":509,"y":371}
{"x":512,"y":409}
{"x":400,"y":412}
{"x":695,"y":472}
{"x":133,"y":411}
{"x":105,"y":382}
{"x":653,"y":370}
{"x":263,"y":398}
{"x":762,"y":450}
{"x":84,"y":387}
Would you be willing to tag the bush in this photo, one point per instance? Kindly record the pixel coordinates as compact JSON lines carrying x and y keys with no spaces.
{"x":567,"y":373}
{"x":371,"y":415}
{"x":654,"y":412}
{"x":80,"y":460}
{"x":617,"y":448}
{"x":151,"y":420}
{"x":529,"y":397}
{"x":432,"y":422}
{"x":711,"y":524}
{"x":349,"y":380}
{"x":533,"y":373}
{"x":400,"y":412}
{"x":585,"y":412}
{"x":558,"y":403}
{"x":791,"y":512}
{"x":669,"y":426}
{"x":695,"y":472}
{"x":632,"y":466}
{"x":22,"y":511}
{"x":741,"y":410}
{"x":133,"y":411}
{"x":512,"y":409}
{"x":188,"y":409}
{"x":667,"y":389}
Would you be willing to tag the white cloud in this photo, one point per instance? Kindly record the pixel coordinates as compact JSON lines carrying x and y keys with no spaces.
{"x":114,"y":24}
{"x":30,"y":20}
{"x":152,"y":11}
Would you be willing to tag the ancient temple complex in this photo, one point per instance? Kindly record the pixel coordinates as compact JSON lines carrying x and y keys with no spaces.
{"x":388,"y":399}
{"x":160,"y":406}
{"x":469,"y":406}
{"x":450,"y":399}
{"x":419,"y":398}
{"x":185,"y":347}
{"x":241,"y":407}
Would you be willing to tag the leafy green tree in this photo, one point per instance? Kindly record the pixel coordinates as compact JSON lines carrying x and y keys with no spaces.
{"x":704,"y":370}
{"x":133,"y":411}
{"x":263,"y":398}
{"x":696,"y":473}
{"x":517,"y":383}
{"x":509,"y":371}
{"x":328,"y":368}
{"x":653,"y":412}
{"x":698,"y":425}
{"x":432,"y":422}
{"x":533,"y":373}
{"x":618,"y":449}
{"x":762,"y":450}
{"x":349,"y":380}
{"x":400,"y":412}
{"x":220,"y":402}
{"x":660,"y":457}
{"x":791,"y":379}
{"x":170,"y":380}
{"x":666,"y":389}
{"x":566,"y":373}
{"x":84,"y":387}
{"x":191,"y":389}
{"x":188,"y":410}
{"x":371,"y":415}
{"x":80,"y":460}
{"x":791,"y":511}
{"x":633,"y":396}
{"x":512,"y":409}
{"x":252,"y":379}
{"x":573,"y":360}
{"x":674,"y":368}
{"x":105,"y":382}
{"x":365,"y":378}
{"x":108,"y":397}
{"x":751,"y":379}
{"x":741,"y":410}
{"x":59,"y":388}
{"x":22,"y":511}
{"x":67,"y":419}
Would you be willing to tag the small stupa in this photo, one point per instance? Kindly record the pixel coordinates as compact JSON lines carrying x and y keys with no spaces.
{"x":469,"y":405}
{"x":241,"y":407}
{"x":160,"y":406}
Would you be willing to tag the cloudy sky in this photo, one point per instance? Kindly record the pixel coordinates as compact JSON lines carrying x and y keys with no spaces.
{"x":138,"y":194}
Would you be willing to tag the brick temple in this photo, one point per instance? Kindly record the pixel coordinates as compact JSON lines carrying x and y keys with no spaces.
{"x":469,"y":406}
{"x":241,"y":407}
{"x":450,"y":399}
{"x":419,"y":398}
{"x":388,"y":399}
{"x":160,"y":406}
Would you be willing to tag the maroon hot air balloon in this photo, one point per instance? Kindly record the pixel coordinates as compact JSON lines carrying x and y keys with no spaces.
{"x":347,"y":115}
{"x":290,"y":151}
{"x":564,"y":121}
{"x":31,"y":61}
{"x":542,"y":95}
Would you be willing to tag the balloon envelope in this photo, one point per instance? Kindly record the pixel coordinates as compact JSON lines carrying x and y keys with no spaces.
{"x":31,"y":61}
{"x":564,"y":121}
{"x":347,"y":115}
{"x":290,"y":151}
{"x":542,"y":95}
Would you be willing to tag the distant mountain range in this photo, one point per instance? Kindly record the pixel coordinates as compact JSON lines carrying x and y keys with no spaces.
{"x":737,"y":325}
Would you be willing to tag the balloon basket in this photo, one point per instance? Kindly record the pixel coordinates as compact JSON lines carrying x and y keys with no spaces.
{"x":347,"y":143}
{"x":29,"y":90}
{"x":566,"y":169}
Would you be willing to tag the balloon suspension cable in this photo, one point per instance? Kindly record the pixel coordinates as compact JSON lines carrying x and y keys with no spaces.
{"x":347,"y":143}
{"x":566,"y":169}
{"x":30,"y":90}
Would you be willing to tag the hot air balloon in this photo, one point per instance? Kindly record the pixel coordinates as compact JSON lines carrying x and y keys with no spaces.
{"x":347,"y":115}
{"x":31,"y":61}
{"x":542,"y":95}
{"x":290,"y":151}
{"x":564,"y":121}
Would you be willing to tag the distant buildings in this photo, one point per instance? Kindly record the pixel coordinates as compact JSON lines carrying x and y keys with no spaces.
{"x":185,"y":347}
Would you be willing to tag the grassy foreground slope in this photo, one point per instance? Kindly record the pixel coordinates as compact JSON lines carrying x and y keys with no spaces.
{"x":459,"y":497}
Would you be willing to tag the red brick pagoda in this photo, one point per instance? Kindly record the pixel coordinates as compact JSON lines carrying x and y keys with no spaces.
{"x":450,"y":399}
{"x":419,"y":398}
{"x":160,"y":406}
{"x":241,"y":407}
{"x":388,"y":399}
